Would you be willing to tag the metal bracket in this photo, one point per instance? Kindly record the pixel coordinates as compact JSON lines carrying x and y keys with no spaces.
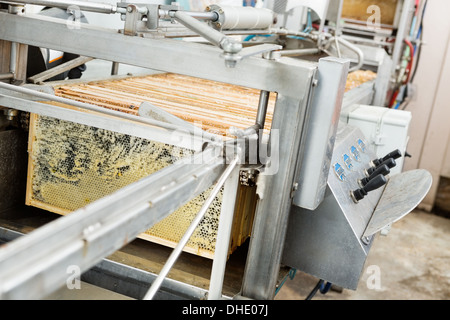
{"x":267,"y":50}
{"x":248,"y":176}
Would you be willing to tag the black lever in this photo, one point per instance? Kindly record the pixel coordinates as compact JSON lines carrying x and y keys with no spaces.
{"x":373,"y":184}
{"x":383,"y":169}
{"x":393,"y":155}
{"x":390,"y":163}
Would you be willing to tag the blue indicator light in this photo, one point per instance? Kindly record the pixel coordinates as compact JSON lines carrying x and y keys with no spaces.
{"x":355,"y":153}
{"x":362,"y":145}
{"x":340,"y":172}
{"x":348,"y":161}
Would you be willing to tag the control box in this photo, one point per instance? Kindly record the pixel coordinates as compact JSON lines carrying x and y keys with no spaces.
{"x":328,"y":242}
{"x":385,"y":129}
{"x":362,"y":198}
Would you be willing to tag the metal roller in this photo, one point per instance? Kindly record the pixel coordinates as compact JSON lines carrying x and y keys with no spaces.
{"x":240,"y":18}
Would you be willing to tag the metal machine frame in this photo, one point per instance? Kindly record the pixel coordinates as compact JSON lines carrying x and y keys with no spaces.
{"x":35,"y":265}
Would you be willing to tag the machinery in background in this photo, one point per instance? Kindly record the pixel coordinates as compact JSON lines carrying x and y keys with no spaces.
{"x":43,"y":59}
{"x":320,"y":202}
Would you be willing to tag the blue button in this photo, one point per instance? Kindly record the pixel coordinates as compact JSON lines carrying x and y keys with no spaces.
{"x":355,"y":153}
{"x":348,"y":161}
{"x":340,"y":172}
{"x":361,"y":145}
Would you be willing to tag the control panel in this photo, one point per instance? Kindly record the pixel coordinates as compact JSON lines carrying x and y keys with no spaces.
{"x":362,"y":197}
{"x":357,"y":169}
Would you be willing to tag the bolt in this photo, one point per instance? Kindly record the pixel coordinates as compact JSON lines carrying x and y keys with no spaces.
{"x":366,"y":240}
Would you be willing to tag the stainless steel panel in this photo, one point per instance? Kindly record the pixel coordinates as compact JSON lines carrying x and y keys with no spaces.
{"x":327,"y":242}
{"x":322,"y":125}
{"x":274,"y":190}
{"x":403,"y":193}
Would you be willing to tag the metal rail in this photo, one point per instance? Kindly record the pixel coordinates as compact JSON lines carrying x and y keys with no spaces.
{"x":15,"y":103}
{"x":34,"y":266}
{"x":184,"y":240}
{"x":82,"y":5}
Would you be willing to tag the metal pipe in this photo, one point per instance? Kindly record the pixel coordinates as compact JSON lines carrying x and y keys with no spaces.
{"x":213,"y":16}
{"x":35,"y":265}
{"x":215,"y":37}
{"x":223,"y":236}
{"x":13,"y":58}
{"x":262,"y":108}
{"x":210,"y":34}
{"x":355,"y":49}
{"x":286,"y":32}
{"x":203,"y":15}
{"x":299,"y":52}
{"x":115,"y":68}
{"x":407,"y":8}
{"x":82,"y":5}
{"x":198,"y":218}
{"x":86,"y":106}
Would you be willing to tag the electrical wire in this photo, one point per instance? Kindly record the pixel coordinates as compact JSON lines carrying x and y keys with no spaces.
{"x":290,"y":275}
{"x":320,"y":286}
{"x":420,"y":38}
{"x":314,"y":291}
{"x":411,"y":61}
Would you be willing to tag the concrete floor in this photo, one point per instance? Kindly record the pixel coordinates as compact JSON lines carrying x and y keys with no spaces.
{"x":413,"y":263}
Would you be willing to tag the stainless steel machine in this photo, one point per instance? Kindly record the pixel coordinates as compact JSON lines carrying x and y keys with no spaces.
{"x":322,"y":193}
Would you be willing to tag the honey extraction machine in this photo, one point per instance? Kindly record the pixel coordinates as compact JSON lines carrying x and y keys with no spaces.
{"x":240,"y":156}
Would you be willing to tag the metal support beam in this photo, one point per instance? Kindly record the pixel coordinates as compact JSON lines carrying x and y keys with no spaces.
{"x":34,"y":266}
{"x":47,"y":74}
{"x":191,"y":229}
{"x":110,"y":120}
{"x":82,"y":5}
{"x":275,"y":191}
{"x":285,"y":75}
{"x":223,"y":236}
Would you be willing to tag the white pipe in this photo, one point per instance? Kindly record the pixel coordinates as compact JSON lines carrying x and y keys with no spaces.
{"x":245,"y":17}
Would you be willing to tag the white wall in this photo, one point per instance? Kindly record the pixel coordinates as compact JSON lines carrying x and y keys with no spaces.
{"x":430,"y":126}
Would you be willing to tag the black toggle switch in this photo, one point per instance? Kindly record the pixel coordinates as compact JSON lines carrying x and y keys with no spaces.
{"x":373,"y":184}
{"x":390,"y":163}
{"x":393,"y":155}
{"x":383,"y":169}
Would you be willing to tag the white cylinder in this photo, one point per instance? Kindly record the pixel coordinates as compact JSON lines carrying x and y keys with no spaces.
{"x":244,"y":18}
